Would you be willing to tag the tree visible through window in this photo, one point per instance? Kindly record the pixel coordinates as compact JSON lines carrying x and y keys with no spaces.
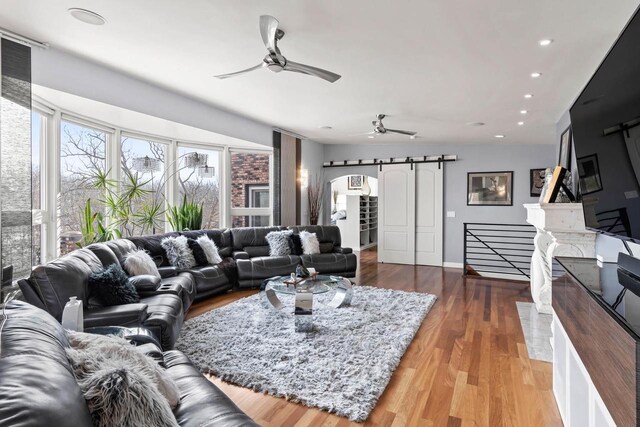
{"x":143,"y":162}
{"x":82,"y":155}
{"x":199,"y":180}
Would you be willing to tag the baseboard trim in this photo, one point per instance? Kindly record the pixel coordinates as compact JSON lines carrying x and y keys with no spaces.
{"x":452,"y":264}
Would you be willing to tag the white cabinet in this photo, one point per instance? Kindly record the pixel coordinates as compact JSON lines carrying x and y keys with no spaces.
{"x":578,"y":400}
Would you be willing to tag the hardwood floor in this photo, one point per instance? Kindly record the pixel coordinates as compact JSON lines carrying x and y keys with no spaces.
{"x":467,"y":365}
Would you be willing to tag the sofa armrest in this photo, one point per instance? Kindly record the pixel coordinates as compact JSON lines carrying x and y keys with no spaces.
{"x":340,"y":250}
{"x":116,"y":315}
{"x":145,"y":282}
{"x":169,"y":271}
{"x":240,"y":255}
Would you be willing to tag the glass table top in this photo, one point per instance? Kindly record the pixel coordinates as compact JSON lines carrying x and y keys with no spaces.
{"x":321,"y":285}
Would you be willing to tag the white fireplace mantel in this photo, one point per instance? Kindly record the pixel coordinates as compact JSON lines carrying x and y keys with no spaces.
{"x":560,"y":232}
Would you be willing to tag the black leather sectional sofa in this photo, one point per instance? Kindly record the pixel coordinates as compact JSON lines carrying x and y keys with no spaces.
{"x":164,"y":303}
{"x":38,"y":387}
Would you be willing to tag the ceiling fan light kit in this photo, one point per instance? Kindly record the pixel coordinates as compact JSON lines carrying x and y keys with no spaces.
{"x":274,"y":60}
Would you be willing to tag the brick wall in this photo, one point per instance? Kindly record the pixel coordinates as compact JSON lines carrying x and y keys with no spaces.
{"x":246,"y":170}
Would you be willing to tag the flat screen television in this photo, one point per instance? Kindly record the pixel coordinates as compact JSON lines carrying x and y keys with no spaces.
{"x":605,"y":122}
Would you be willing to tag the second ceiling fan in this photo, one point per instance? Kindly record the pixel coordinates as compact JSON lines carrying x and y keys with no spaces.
{"x":275,"y":61}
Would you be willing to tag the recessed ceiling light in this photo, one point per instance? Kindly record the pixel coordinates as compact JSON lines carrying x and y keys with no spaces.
{"x":325,"y":127}
{"x":545,"y":42}
{"x":523,"y":111}
{"x":499,"y":136}
{"x":520,"y":123}
{"x":412,"y":137}
{"x":371,"y":137}
{"x":535,"y":75}
{"x":475,"y":124}
{"x":528,"y":96}
{"x":87,"y":16}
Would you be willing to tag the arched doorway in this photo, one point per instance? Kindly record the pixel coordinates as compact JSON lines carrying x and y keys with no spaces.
{"x":354,"y":208}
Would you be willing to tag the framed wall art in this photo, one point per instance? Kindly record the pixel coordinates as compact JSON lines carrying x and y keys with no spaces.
{"x":490,"y":188}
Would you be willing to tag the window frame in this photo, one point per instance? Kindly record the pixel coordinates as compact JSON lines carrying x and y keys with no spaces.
{"x":51,"y":167}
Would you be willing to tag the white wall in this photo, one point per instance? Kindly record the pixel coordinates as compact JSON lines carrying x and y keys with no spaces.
{"x":471,"y":158}
{"x":59,"y":70}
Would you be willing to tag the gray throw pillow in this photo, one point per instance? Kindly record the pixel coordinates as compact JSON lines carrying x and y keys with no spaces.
{"x":122,"y":385}
{"x":178,"y":252}
{"x":279,"y":242}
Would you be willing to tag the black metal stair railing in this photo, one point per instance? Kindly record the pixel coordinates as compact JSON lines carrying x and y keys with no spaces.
{"x":498,"y":248}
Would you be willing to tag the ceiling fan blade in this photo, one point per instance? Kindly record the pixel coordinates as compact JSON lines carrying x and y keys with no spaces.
{"x":402,"y":132}
{"x":312,"y":71}
{"x":237,"y":73}
{"x":268,"y":29}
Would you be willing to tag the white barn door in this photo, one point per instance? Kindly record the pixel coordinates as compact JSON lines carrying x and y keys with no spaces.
{"x":396,"y":214}
{"x":429,"y":214}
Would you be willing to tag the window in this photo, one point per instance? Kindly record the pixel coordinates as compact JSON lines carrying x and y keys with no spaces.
{"x":38,"y":135}
{"x":199,"y":179}
{"x":142,"y":164}
{"x":82,"y":167}
{"x":250,"y":189}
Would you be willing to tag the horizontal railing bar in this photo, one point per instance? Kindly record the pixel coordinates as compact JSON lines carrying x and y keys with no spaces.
{"x":501,"y":265}
{"x":502,"y":230}
{"x":513,"y":261}
{"x":506,"y":236}
{"x":489,"y":253}
{"x":503,"y":248}
{"x":499,"y":225}
{"x":509,"y":243}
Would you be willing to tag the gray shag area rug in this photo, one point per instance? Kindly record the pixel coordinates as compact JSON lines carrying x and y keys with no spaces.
{"x":343,"y":366}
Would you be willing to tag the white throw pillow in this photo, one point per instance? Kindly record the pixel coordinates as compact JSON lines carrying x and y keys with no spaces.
{"x":210,"y":249}
{"x":178,"y":252}
{"x":310,"y":244}
{"x":139,"y":262}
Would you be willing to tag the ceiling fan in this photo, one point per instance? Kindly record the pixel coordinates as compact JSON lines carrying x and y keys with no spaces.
{"x":379,"y":129}
{"x":274,"y":60}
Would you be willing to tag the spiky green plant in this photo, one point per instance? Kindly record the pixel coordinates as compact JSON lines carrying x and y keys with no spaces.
{"x":186,"y":216}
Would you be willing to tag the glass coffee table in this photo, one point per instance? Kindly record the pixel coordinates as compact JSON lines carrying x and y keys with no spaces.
{"x":304,"y":293}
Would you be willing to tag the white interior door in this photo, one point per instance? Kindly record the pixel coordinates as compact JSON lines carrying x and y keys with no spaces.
{"x":396,"y":214}
{"x":428,"y":214}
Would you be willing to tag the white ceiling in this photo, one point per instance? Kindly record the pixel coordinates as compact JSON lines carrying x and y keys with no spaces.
{"x":431,"y":66}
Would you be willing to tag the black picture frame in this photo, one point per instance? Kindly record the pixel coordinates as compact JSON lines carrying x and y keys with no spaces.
{"x":485,"y":188}
{"x":564,"y":154}
{"x":589,"y":174}
{"x":536,"y":181}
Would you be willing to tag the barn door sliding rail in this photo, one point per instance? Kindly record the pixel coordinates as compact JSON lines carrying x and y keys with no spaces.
{"x":440,"y":160}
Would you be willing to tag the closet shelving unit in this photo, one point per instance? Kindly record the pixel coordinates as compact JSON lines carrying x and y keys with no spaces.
{"x":360,"y":228}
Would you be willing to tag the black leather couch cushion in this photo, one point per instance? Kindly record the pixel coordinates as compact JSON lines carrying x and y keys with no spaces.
{"x":251,"y":237}
{"x":129,"y":315}
{"x":120,"y":248}
{"x":333,"y":263}
{"x":201,"y":402}
{"x":325,"y":233}
{"x":265,"y":267}
{"x":210,"y":277}
{"x":67,"y":276}
{"x":37,"y":386}
{"x":145,"y":282}
{"x":104,"y":254}
{"x":152,"y":245}
{"x":165,"y":318}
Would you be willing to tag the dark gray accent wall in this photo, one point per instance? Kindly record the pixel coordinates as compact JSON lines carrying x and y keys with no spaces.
{"x":471,"y":158}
